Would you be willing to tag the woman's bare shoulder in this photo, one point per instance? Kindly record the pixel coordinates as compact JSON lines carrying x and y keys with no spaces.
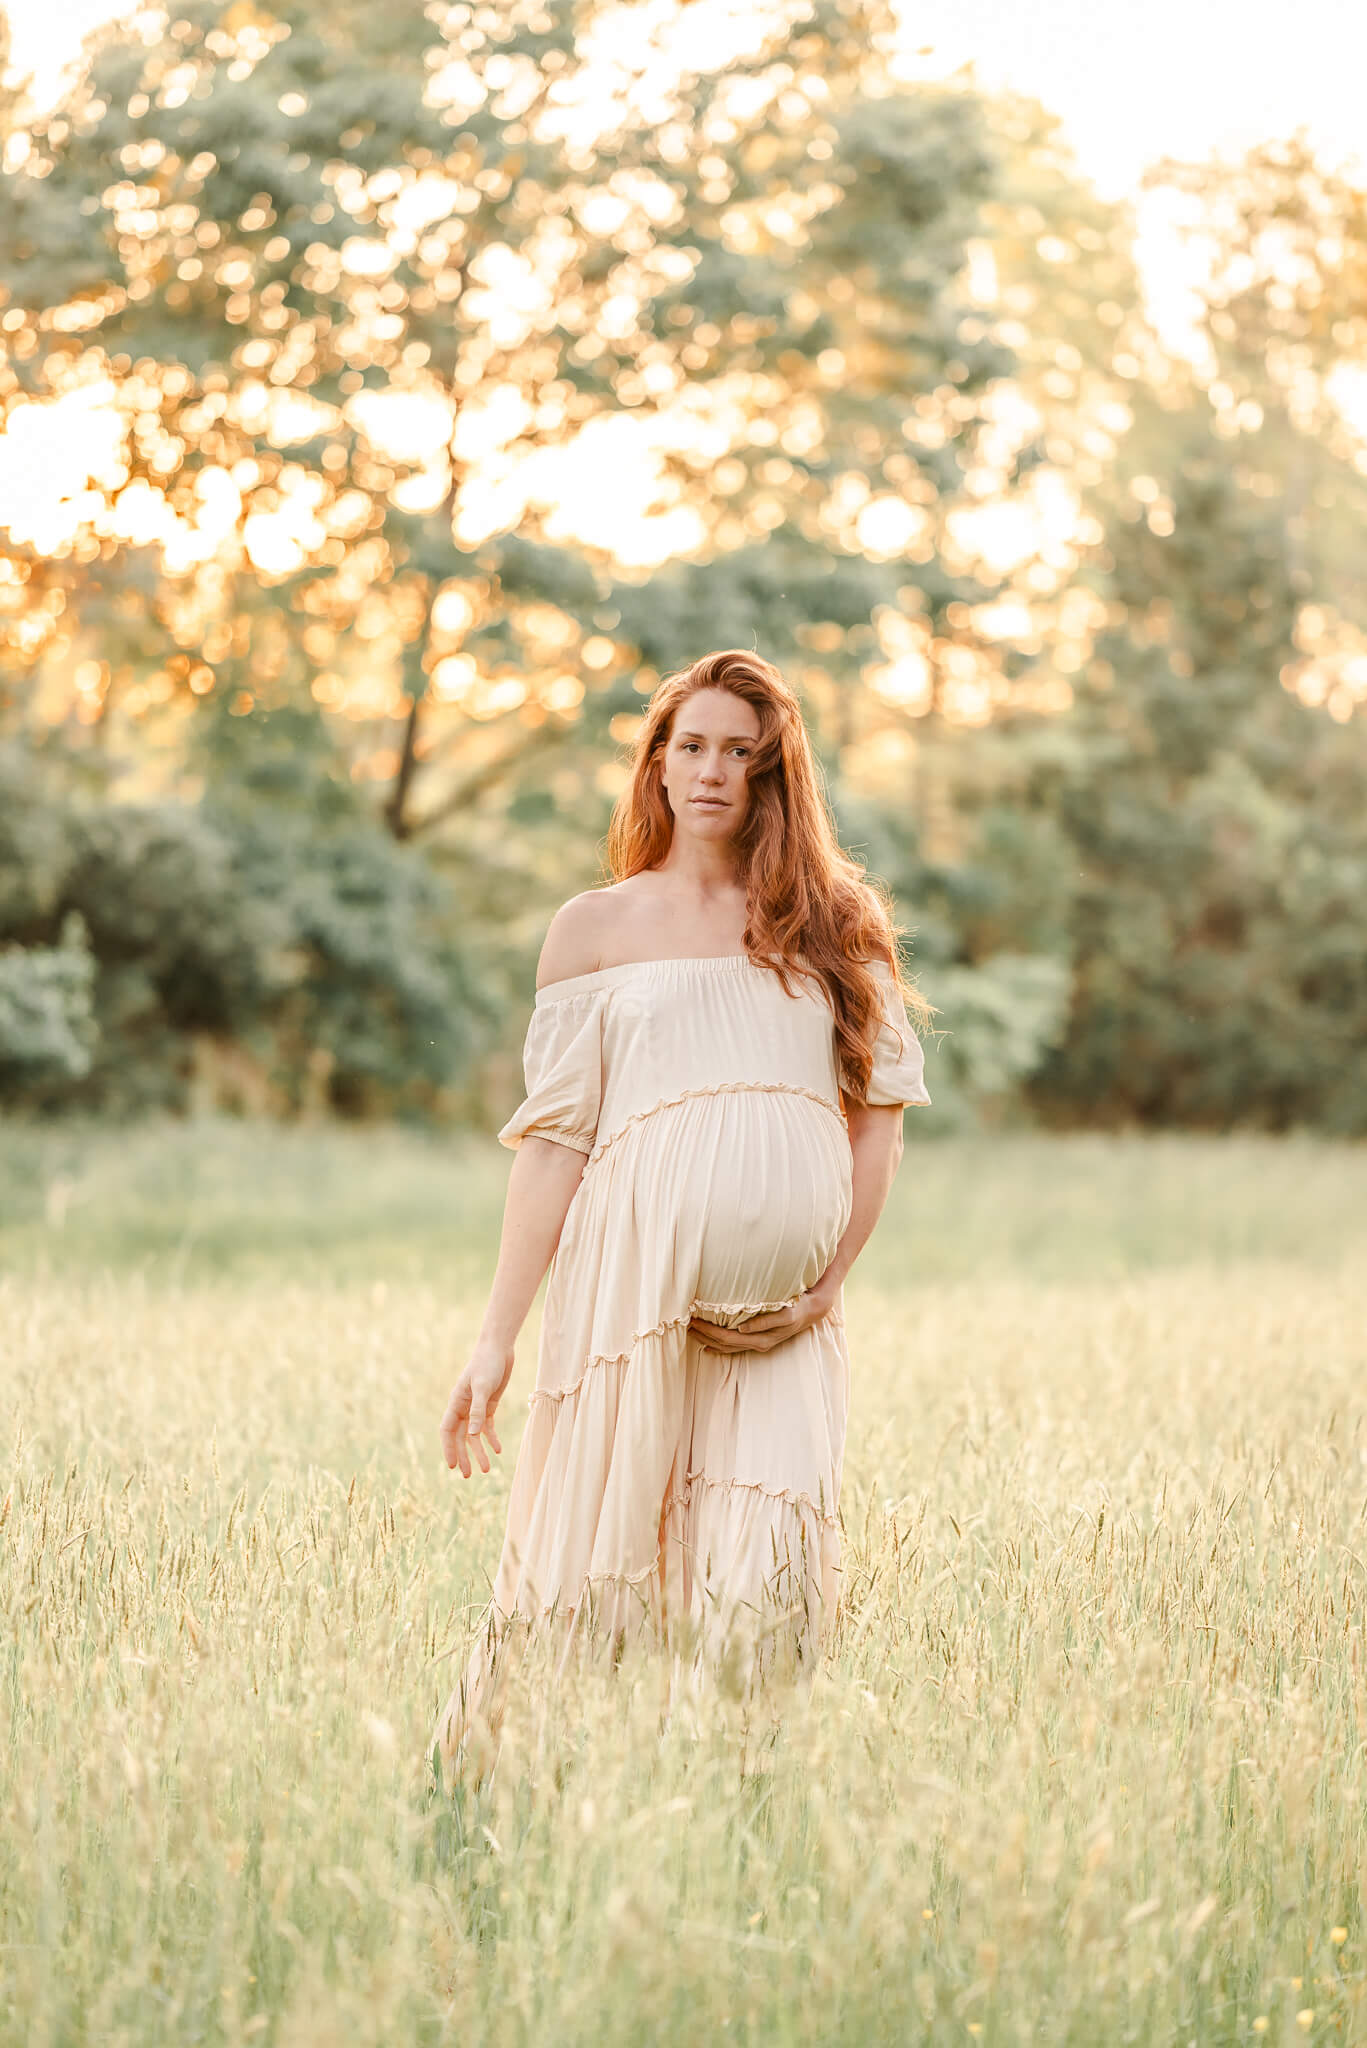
{"x":600,"y":928}
{"x":574,"y":940}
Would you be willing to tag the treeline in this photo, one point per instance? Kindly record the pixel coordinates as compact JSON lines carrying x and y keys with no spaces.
{"x":305,"y":729}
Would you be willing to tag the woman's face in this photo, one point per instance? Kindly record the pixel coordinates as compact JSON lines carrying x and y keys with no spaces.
{"x":705,"y":763}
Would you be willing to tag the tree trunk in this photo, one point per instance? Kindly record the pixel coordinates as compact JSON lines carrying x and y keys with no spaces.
{"x":396,"y":812}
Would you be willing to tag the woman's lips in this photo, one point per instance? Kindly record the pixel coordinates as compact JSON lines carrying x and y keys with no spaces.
{"x":708,"y":803}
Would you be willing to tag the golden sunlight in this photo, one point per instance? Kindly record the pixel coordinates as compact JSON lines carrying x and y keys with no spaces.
{"x":612,"y":493}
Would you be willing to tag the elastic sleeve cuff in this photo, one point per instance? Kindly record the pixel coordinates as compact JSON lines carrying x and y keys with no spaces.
{"x":575,"y":1140}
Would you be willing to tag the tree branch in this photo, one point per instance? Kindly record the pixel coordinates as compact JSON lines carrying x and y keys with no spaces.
{"x":484,"y":777}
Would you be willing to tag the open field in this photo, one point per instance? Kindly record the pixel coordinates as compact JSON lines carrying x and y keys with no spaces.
{"x":1089,"y":1760}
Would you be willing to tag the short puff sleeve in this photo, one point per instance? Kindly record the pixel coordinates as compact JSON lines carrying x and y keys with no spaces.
{"x":562,"y":1061}
{"x":898,"y":1062}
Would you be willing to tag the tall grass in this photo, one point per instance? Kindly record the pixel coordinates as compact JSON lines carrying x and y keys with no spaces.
{"x":1086,"y":1762}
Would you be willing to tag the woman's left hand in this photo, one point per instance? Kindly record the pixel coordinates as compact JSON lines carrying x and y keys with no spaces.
{"x":765,"y":1332}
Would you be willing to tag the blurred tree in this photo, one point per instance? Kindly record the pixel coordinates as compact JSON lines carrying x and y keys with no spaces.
{"x":47,"y":1027}
{"x":1192,"y":839}
{"x":353,"y":289}
{"x":762,"y":256}
{"x":1190,"y":842}
{"x":1218,"y":817}
{"x":1282,"y":243}
{"x":267,"y":948}
{"x":1050,"y":280}
{"x":1218,"y":826}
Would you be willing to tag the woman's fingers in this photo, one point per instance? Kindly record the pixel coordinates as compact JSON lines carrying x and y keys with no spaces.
{"x":721,"y":1337}
{"x":458,"y":1455}
{"x":469,"y":1423}
{"x":756,"y":1333}
{"x":770,"y":1319}
{"x":725,"y":1333}
{"x":455,"y":1430}
{"x":481,"y":1425}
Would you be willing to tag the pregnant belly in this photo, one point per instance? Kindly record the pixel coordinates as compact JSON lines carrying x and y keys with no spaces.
{"x":762,"y":1195}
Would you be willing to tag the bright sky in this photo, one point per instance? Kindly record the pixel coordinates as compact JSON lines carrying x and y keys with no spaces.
{"x":1136,"y":82}
{"x":1131,"y":82}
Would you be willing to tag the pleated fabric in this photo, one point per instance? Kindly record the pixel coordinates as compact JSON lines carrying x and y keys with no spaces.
{"x":660,"y":1485}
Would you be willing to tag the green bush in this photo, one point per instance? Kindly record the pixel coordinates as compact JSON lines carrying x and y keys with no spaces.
{"x":281,"y":954}
{"x":998,"y":1022}
{"x":47,"y":1025}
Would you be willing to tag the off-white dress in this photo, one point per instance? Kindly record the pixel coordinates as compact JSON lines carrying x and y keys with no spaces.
{"x":659,"y":1482}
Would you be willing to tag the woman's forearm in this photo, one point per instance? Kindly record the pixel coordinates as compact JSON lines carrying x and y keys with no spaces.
{"x":541,"y":1186}
{"x":875,"y":1132}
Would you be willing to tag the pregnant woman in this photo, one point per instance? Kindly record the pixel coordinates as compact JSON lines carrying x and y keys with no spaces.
{"x":716,"y":1070}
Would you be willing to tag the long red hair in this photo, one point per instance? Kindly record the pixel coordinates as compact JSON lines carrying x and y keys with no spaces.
{"x":810,"y":907}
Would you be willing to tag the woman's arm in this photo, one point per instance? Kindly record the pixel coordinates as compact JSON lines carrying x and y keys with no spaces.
{"x":541,"y":1186}
{"x":875,"y":1131}
{"x":876,"y":1143}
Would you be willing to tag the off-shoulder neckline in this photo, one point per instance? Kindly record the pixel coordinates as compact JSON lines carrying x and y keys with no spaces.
{"x":607,"y":977}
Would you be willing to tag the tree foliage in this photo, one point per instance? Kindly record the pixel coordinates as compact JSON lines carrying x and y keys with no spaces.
{"x":768,"y":249}
{"x":266,"y":946}
{"x":314,"y":691}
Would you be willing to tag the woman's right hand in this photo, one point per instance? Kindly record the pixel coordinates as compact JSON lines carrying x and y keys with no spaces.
{"x":469,"y":1416}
